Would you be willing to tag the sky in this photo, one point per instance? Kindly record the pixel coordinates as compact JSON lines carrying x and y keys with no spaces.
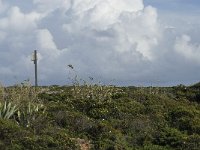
{"x":120,"y":42}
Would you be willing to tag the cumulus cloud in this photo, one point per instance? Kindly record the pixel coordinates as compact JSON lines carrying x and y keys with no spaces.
{"x":112,"y":39}
{"x":123,"y":46}
{"x":189,"y":50}
{"x":48,"y":6}
{"x":17,"y":21}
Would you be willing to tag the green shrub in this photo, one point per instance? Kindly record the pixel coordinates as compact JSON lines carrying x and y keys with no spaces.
{"x":192,"y":142}
{"x":185,"y":119}
{"x":106,"y":117}
{"x":11,"y":134}
{"x":154,"y":147}
{"x":28,"y":114}
{"x":170,"y":137}
{"x":73,"y":121}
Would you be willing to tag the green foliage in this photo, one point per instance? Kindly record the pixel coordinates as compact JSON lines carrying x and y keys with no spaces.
{"x":14,"y":137}
{"x":193,"y":142}
{"x":28,"y":114}
{"x":94,"y":100}
{"x":185,"y":119}
{"x":96,"y":92}
{"x":100,"y":117}
{"x":7,"y":110}
{"x":171,"y":137}
{"x":150,"y":146}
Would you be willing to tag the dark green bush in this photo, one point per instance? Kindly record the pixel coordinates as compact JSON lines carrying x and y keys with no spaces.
{"x":185,"y":119}
{"x":106,"y":118}
{"x":170,"y":137}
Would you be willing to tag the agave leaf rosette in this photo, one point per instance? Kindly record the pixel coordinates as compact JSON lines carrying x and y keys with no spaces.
{"x":7,"y":110}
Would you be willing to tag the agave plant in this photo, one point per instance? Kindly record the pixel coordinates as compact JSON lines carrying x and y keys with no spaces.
{"x":7,"y":110}
{"x":28,"y":114}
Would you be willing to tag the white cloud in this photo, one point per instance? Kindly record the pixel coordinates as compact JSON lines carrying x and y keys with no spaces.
{"x":99,"y":14}
{"x":48,"y":6}
{"x":45,"y":42}
{"x":111,"y":39}
{"x":18,"y":21}
{"x":130,"y":30}
{"x":189,"y":50}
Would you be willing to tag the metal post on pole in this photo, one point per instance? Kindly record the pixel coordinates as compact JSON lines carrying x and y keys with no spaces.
{"x":34,"y":59}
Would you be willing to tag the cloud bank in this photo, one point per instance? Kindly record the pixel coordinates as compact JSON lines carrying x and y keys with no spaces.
{"x":120,"y":42}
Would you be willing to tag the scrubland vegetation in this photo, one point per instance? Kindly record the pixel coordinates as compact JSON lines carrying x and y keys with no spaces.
{"x":99,"y":117}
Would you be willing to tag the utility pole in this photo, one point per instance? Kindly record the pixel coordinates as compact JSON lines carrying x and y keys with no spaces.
{"x":34,"y":59}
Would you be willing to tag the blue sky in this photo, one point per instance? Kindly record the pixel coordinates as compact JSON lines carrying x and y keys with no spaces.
{"x":121,"y":42}
{"x":177,"y":5}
